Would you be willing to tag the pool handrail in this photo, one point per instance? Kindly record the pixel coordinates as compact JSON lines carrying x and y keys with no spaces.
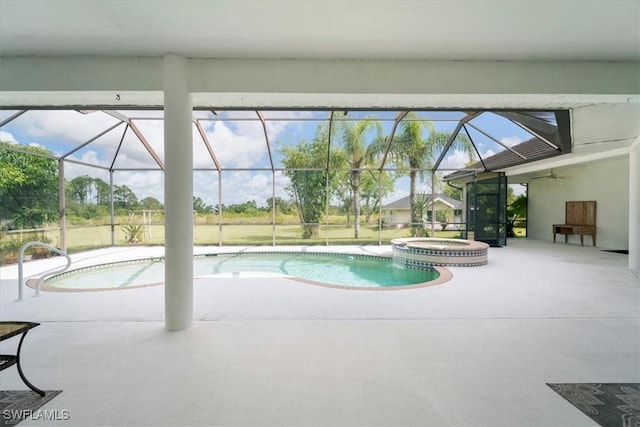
{"x":43,"y":275}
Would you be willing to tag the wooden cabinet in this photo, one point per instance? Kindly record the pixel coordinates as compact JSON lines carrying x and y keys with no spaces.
{"x":580,"y":218}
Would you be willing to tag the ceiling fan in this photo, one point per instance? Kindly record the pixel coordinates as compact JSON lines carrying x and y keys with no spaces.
{"x":550,"y":176}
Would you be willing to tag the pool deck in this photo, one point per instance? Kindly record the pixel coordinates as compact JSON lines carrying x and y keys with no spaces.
{"x":475,"y":351}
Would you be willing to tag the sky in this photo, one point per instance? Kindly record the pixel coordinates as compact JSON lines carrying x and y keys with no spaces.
{"x":237,"y":138}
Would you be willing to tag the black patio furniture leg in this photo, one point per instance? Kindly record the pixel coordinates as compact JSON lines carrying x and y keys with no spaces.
{"x":24,"y":379}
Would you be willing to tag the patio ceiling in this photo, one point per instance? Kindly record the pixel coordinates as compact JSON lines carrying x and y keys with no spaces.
{"x":531,"y":30}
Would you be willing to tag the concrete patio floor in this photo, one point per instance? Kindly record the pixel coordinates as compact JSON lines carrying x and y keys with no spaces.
{"x":475,"y":351}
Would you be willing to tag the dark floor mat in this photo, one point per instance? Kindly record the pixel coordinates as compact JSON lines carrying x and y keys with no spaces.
{"x":19,"y":405}
{"x":608,"y":404}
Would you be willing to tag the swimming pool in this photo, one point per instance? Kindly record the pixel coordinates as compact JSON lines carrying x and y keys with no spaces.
{"x":336,"y":270}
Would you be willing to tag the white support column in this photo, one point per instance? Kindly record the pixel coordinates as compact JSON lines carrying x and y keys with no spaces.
{"x":634,"y":208}
{"x":112,"y":210}
{"x":62,"y":203}
{"x":178,"y":195}
{"x":433,"y":204}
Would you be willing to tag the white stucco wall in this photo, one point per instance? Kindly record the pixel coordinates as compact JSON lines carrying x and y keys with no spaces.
{"x":634,"y":208}
{"x":606,"y":182}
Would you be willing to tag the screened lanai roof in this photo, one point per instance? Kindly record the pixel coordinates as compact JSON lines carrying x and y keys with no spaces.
{"x":524,"y":152}
{"x":131,"y":140}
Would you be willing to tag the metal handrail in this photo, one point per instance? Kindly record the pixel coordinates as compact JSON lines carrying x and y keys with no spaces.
{"x":46,"y":273}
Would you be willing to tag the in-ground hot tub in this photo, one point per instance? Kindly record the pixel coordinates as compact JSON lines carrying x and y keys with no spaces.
{"x":425,"y":252}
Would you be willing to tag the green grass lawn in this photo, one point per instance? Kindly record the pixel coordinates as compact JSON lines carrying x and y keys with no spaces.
{"x":81,"y":238}
{"x":85,"y":237}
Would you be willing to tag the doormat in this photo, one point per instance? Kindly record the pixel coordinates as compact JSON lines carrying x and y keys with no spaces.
{"x":608,"y":404}
{"x":19,"y":405}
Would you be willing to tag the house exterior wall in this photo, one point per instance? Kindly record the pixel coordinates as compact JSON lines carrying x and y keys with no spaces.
{"x":634,"y":208}
{"x":393,"y":217}
{"x":606,"y":182}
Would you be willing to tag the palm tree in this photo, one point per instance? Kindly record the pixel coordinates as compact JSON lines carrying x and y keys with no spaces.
{"x":358,"y":151}
{"x":410,"y":149}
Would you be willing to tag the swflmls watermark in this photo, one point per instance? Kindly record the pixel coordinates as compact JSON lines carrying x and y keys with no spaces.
{"x":39,"y":414}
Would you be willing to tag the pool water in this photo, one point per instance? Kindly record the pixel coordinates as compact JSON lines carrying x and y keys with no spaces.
{"x":333,"y":269}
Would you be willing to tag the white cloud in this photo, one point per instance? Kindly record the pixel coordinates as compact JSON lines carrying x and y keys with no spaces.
{"x":90,"y":157}
{"x":239,"y":187}
{"x":456,"y":160}
{"x":7,"y":137}
{"x":134,"y":152}
{"x":282,"y":182}
{"x":143,"y":184}
{"x":242,"y":144}
{"x":205,"y":186}
{"x":518,"y":189}
{"x":241,"y":147}
{"x":510,"y":141}
{"x":62,"y":131}
{"x":487,"y":153}
{"x":64,"y":126}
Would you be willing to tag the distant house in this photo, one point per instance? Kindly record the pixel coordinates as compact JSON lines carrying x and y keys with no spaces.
{"x":398,"y":213}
